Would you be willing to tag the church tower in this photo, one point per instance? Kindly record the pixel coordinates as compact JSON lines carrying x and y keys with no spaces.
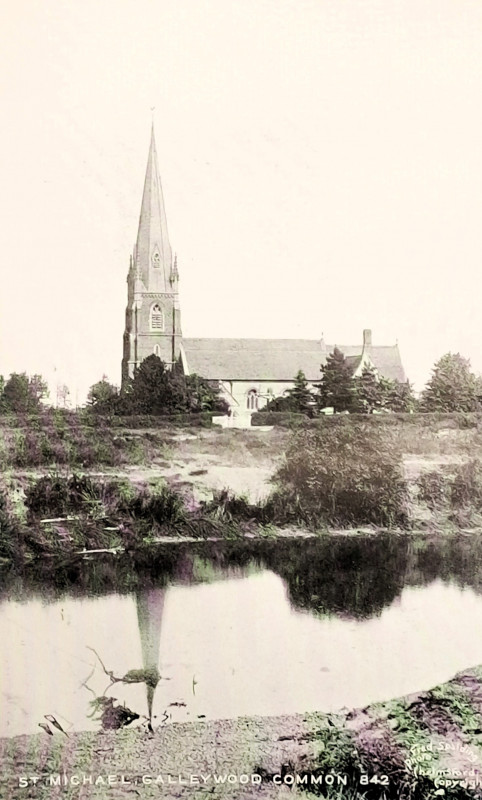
{"x":153,"y":322}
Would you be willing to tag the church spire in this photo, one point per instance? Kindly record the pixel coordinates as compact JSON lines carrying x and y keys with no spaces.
{"x":153,"y":255}
{"x":153,"y":318}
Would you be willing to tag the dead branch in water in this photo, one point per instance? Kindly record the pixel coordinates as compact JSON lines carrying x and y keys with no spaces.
{"x":108,"y":672}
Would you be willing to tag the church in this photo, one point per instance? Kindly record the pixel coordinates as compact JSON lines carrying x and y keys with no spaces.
{"x":250,"y":372}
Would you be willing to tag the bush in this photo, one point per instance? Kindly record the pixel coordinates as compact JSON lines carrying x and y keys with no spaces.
{"x":54,"y":494}
{"x":434,"y":489}
{"x":466,"y":489}
{"x":52,"y":450}
{"x":344,"y":475}
{"x":9,"y":533}
{"x":158,"y":506}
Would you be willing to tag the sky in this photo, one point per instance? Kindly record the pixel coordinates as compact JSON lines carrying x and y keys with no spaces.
{"x":321,"y":164}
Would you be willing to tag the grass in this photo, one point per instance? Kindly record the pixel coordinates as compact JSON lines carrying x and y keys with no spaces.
{"x":241,"y":448}
{"x":390,"y":757}
{"x":453,"y":494}
{"x":66,"y":514}
{"x":341,"y":472}
{"x":51,"y":439}
{"x":457,"y":701}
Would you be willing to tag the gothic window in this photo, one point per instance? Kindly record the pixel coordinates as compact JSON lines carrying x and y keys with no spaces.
{"x":157,"y":318}
{"x":156,"y":259}
{"x":157,"y":350}
{"x":252,"y":400}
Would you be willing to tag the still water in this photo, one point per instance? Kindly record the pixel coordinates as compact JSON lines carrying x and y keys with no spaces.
{"x":237,"y":629}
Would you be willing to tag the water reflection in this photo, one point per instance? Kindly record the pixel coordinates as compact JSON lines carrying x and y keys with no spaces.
{"x":150,"y":605}
{"x":242,"y":628}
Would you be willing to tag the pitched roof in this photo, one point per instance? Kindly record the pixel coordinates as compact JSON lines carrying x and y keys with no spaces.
{"x":353,"y":361}
{"x":277,"y":359}
{"x":385,"y":358}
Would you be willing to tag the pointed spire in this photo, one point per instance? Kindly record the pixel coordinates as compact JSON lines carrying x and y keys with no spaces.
{"x":153,"y":251}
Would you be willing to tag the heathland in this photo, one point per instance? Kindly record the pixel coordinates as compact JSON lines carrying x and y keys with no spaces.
{"x":78,"y":481}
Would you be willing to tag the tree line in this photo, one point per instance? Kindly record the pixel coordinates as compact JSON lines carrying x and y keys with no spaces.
{"x":453,"y":387}
{"x":155,"y":389}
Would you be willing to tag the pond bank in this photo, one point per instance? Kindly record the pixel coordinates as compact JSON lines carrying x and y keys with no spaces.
{"x":207,"y":484}
{"x":408,"y":748}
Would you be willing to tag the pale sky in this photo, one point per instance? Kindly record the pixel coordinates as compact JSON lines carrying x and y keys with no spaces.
{"x":321,"y":163}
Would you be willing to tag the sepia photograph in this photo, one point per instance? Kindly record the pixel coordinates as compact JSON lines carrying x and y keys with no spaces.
{"x":241,"y":399}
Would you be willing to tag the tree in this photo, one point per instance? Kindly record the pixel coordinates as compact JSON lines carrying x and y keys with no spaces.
{"x":38,"y":388}
{"x":398,"y":396}
{"x":154,"y":390}
{"x":452,"y":387}
{"x":63,"y":395}
{"x":369,"y":391}
{"x":375,"y":393}
{"x":204,"y":395}
{"x":103,"y":396}
{"x":337,"y":388}
{"x":300,"y":397}
{"x":279,"y":404}
{"x":22,"y":393}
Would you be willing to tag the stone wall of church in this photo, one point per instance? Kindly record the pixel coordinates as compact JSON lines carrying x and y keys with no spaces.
{"x":253,"y":395}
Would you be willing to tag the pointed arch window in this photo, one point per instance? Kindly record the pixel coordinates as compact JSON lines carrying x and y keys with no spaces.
{"x":157,"y":318}
{"x":157,"y":350}
{"x":252,"y":400}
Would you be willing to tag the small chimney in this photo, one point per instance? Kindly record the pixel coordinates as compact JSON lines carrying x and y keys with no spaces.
{"x":367,"y":338}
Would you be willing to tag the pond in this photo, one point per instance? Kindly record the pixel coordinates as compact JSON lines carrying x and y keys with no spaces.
{"x":239,"y":629}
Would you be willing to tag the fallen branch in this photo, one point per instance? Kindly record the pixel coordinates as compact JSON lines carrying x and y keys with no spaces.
{"x":84,"y":682}
{"x":108,"y":672}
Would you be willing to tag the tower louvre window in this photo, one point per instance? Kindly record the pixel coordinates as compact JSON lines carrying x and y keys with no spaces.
{"x":157,"y":318}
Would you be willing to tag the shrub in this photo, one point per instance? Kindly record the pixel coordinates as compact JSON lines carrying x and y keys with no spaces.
{"x":434,"y":488}
{"x":466,"y":489}
{"x":52,"y":450}
{"x":160,"y":505}
{"x":344,"y":475}
{"x":19,"y":457}
{"x":225,"y":506}
{"x":55,"y":494}
{"x":10,"y":548}
{"x":105,"y":452}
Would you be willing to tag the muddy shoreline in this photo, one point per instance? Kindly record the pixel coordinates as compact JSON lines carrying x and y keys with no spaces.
{"x":413,"y":746}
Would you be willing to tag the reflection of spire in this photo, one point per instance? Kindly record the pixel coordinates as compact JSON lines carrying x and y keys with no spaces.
{"x":150,"y":605}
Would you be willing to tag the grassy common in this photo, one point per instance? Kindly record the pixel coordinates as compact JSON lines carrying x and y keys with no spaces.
{"x":385,"y":472}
